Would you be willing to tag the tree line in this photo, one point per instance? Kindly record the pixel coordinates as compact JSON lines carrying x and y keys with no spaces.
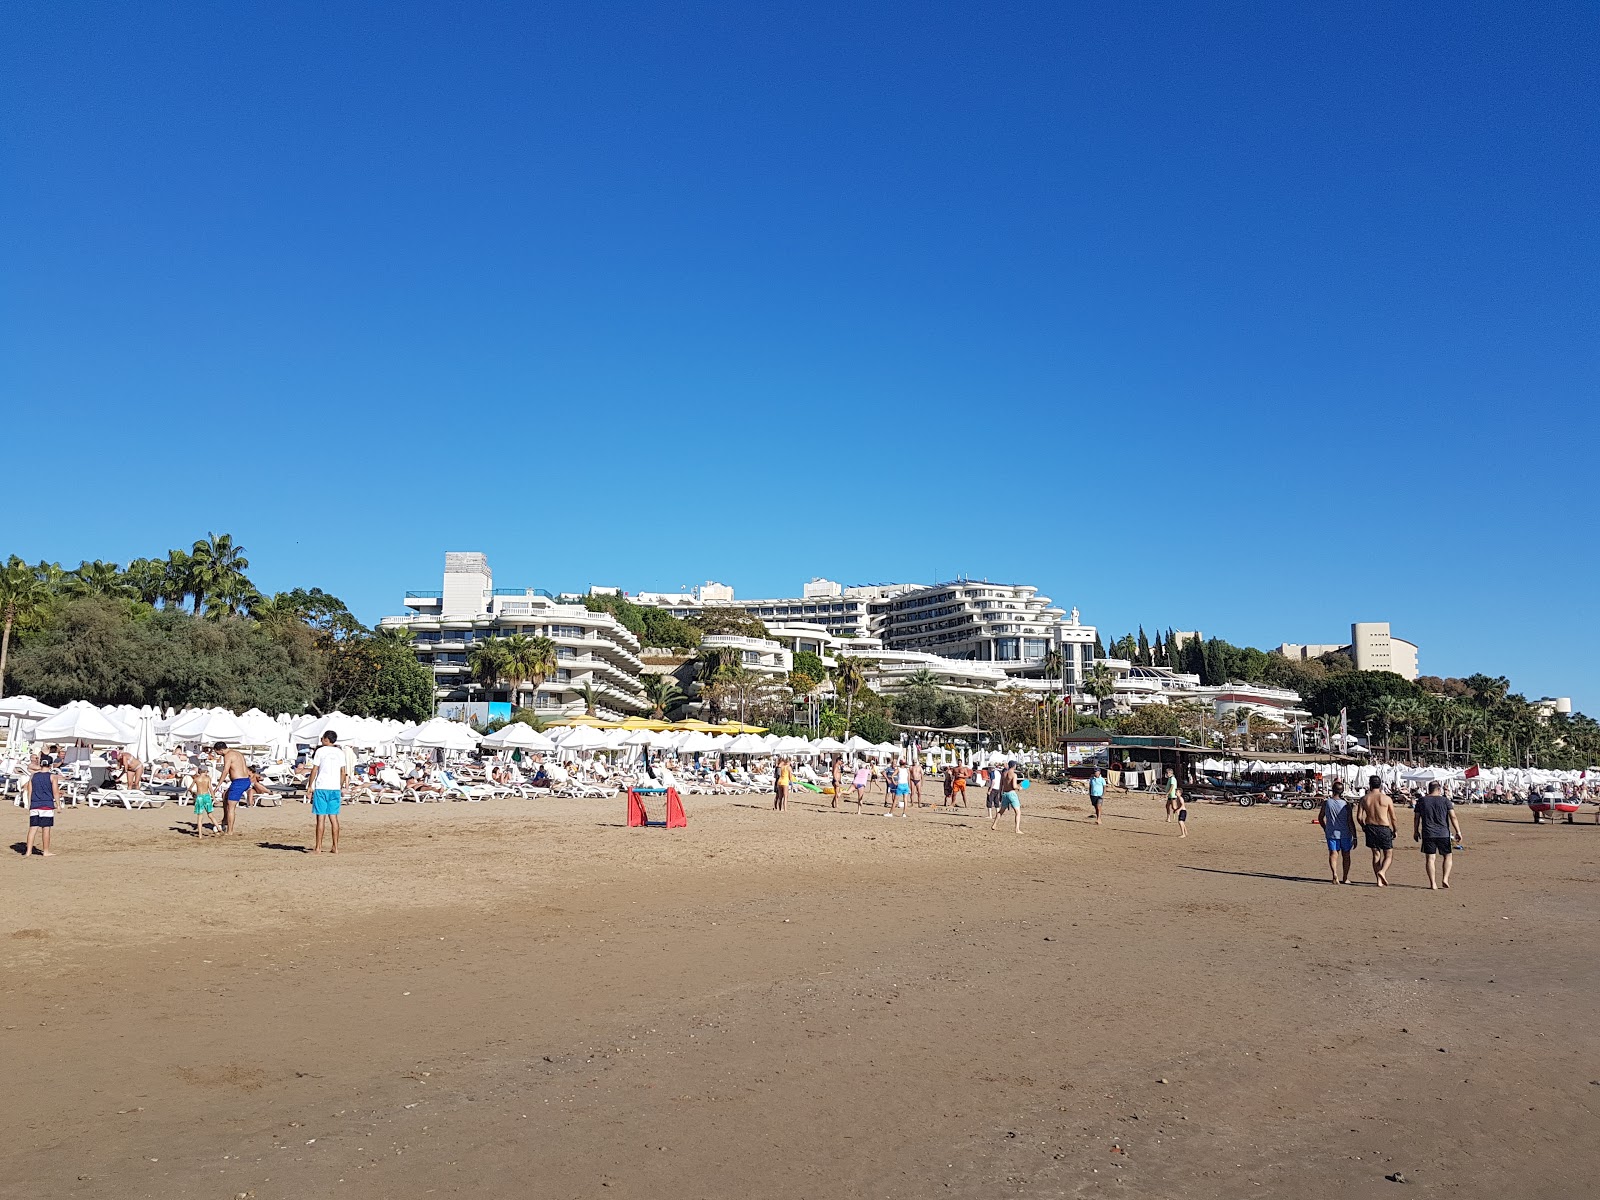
{"x":190,"y":629}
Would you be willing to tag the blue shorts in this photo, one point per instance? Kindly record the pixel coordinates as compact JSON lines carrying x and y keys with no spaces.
{"x":902,"y":789}
{"x":42,"y":818}
{"x":1342,"y":844}
{"x":1010,"y":800}
{"x":325,"y":802}
{"x":238,"y":789}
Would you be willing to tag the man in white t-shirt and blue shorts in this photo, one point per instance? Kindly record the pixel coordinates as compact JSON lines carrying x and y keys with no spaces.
{"x":330,"y":771}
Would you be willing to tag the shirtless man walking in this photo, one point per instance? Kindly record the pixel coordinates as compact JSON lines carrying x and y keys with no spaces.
{"x":236,"y":783}
{"x":1375,"y":815}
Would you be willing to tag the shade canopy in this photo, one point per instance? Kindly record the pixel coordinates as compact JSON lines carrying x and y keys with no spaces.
{"x":441,"y":734}
{"x":26,"y":708}
{"x":517,"y":736}
{"x":81,"y":722}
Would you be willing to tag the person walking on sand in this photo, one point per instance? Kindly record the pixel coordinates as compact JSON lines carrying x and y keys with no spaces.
{"x":991,"y":802}
{"x":44,"y":799}
{"x":1183,"y":814}
{"x":1375,"y":815}
{"x":204,"y":806}
{"x":1433,"y":824}
{"x":1010,"y":795}
{"x":236,"y":781}
{"x":861,"y":781}
{"x":958,"y":785}
{"x":914,"y":778}
{"x":781,"y":779}
{"x":1097,"y":792}
{"x":1174,"y":801}
{"x":325,"y":786}
{"x":838,"y":780}
{"x":1338,"y":821}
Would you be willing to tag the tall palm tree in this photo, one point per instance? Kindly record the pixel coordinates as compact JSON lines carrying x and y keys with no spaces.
{"x":663,"y":693}
{"x":178,"y":574}
{"x":1387,"y":709}
{"x":530,"y":660}
{"x":216,"y":563}
{"x":489,"y":661}
{"x":97,"y":579}
{"x":23,"y":596}
{"x":233,"y":594}
{"x":146,"y":579}
{"x":591,"y":699}
{"x":851,"y":675}
{"x":1100,"y":683}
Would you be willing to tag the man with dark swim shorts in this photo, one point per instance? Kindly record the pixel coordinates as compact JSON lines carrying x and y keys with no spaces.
{"x":235,"y":781}
{"x":1375,"y":815}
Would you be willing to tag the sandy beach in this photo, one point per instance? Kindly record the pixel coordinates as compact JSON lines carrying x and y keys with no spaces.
{"x":529,"y":999}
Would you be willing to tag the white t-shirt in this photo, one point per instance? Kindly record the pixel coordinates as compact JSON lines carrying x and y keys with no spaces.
{"x":326,"y":765}
{"x":902,"y":775}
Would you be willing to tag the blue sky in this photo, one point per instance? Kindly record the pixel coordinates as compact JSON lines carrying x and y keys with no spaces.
{"x":1257,"y":319}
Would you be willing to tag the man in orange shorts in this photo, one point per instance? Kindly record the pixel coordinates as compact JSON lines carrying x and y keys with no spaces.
{"x":958,"y":786}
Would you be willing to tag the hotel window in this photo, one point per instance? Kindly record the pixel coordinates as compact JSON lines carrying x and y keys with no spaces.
{"x":1005,"y":649}
{"x":563,"y":676}
{"x":751,"y":658}
{"x":566,"y":652}
{"x":1034,"y":649}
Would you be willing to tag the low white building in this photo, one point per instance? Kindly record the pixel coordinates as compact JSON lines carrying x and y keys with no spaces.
{"x":592,"y":649}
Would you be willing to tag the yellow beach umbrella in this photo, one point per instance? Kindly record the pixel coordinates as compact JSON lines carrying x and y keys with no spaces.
{"x":586,"y":719}
{"x":648,"y":723}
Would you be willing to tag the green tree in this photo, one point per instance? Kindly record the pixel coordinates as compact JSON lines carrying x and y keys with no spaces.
{"x":852,"y":677}
{"x":529,"y":660}
{"x":216,"y":565}
{"x":98,"y":579}
{"x":378,"y":677}
{"x":146,"y":579}
{"x":177,"y":578}
{"x":23,"y":598}
{"x":663,"y":693}
{"x":810,"y":664}
{"x":489,"y":661}
{"x":1100,"y":683}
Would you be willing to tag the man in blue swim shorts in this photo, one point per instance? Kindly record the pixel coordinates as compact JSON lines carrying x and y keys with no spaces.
{"x":1338,"y":821}
{"x":1010,"y":795}
{"x":325,"y":787}
{"x":235,"y":776}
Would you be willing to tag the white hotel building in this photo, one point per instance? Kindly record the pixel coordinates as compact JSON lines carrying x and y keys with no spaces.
{"x":1009,"y":628}
{"x":591,"y":648}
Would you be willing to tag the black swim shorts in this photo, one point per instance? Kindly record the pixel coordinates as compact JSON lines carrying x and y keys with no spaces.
{"x":1432,"y":845}
{"x":1379,"y":837}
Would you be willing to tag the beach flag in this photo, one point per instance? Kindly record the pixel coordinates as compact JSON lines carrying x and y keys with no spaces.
{"x":1470,"y":773}
{"x":1344,"y":730}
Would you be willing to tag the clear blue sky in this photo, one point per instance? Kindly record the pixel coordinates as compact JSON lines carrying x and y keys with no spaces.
{"x":1257,"y":319}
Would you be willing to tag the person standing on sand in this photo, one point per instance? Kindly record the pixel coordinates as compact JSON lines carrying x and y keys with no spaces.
{"x":1010,"y":795}
{"x":1097,"y":792}
{"x":958,"y":785}
{"x":1338,"y":823}
{"x":200,"y":789}
{"x":838,"y":780}
{"x":236,"y":781}
{"x":1433,"y":824}
{"x":902,"y":788}
{"x":325,"y":786}
{"x":44,"y":796}
{"x":914,"y":778}
{"x":1375,"y":815}
{"x":781,"y":779}
{"x":1174,"y":801}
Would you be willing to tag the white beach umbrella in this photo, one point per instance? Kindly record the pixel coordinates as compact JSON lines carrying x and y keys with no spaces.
{"x":80,"y":722}
{"x":583,"y":737}
{"x":828,"y":745}
{"x":638,"y":737}
{"x":440,"y":734}
{"x":26,"y":708}
{"x":745,"y":743}
{"x":207,"y":726}
{"x":696,"y":742}
{"x":517,"y":736}
{"x":856,"y":743}
{"x":350,"y":731}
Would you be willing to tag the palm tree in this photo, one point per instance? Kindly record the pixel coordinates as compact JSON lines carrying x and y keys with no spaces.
{"x":146,"y":579}
{"x":215,"y":566}
{"x":1387,"y":710}
{"x":530,"y":660}
{"x":852,"y":677}
{"x":1099,"y":682}
{"x":97,"y":579}
{"x":395,"y":633}
{"x":233,"y":594}
{"x":178,"y":574}
{"x":922,"y":678}
{"x":489,"y":662}
{"x":590,"y":699}
{"x":23,"y":596}
{"x":663,"y":693}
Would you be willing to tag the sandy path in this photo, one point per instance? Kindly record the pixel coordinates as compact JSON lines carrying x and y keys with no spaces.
{"x":527,"y":999}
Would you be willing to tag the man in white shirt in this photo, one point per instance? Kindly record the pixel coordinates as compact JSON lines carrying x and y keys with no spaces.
{"x":330,"y":771}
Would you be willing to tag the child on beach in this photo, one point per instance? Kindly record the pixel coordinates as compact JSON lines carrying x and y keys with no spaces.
{"x":1181,"y":807}
{"x":200,"y":789}
{"x":43,"y":796}
{"x":862,"y":780}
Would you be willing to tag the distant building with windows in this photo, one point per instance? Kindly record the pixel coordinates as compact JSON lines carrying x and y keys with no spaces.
{"x":1008,"y":625}
{"x":592,"y":649}
{"x":1372,"y":647}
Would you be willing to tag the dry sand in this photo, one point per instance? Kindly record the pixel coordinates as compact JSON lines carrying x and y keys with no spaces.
{"x":528,"y":999}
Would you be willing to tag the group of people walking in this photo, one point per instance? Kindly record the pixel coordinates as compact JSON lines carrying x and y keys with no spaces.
{"x":1434,"y":826}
